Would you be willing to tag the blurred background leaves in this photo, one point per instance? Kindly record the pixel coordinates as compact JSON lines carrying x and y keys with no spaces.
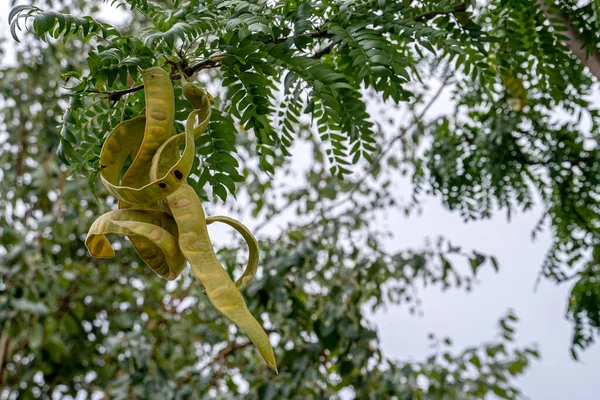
{"x":290,"y":78}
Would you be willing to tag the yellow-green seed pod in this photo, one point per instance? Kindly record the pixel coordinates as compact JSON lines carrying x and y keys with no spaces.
{"x":159,"y":119}
{"x":156,"y":234}
{"x":196,"y":246}
{"x":200,"y":100}
{"x":160,"y":213}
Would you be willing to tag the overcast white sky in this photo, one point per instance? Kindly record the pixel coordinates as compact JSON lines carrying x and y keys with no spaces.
{"x":471,"y":318}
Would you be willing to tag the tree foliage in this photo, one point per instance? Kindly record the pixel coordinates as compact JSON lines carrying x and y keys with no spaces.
{"x":290,"y":75}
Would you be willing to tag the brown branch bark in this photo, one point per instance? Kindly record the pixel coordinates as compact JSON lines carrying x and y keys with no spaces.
{"x":4,"y":350}
{"x":228,"y":350}
{"x":573,"y":43}
{"x":115,"y":95}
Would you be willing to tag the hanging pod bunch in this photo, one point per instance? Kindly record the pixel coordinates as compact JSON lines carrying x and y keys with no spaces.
{"x":160,"y":214}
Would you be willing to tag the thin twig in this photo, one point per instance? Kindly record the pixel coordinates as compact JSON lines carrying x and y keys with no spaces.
{"x":4,"y":350}
{"x":325,"y":50}
{"x":220,"y":357}
{"x":115,"y":95}
{"x":388,"y":146}
{"x":226,"y":351}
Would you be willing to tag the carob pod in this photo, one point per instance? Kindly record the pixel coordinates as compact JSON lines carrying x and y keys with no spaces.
{"x":160,"y":213}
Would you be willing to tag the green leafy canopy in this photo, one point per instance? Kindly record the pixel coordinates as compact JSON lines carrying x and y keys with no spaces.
{"x":288,"y":75}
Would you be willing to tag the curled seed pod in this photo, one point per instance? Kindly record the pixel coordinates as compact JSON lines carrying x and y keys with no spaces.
{"x":156,"y":234}
{"x":160,"y":213}
{"x":253,"y":251}
{"x":200,"y":100}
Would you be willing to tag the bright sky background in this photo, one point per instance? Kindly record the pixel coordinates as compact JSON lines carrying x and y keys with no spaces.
{"x":471,"y":318}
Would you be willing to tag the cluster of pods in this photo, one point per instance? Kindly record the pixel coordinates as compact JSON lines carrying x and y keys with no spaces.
{"x":159,"y":212}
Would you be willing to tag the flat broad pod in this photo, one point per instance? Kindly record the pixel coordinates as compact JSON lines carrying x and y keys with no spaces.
{"x":159,"y":119}
{"x":162,"y":215}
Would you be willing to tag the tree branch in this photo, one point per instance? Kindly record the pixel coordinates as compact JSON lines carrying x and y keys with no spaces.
{"x":115,"y":95}
{"x":573,"y":43}
{"x":320,"y":33}
{"x":228,"y":350}
{"x":205,"y":64}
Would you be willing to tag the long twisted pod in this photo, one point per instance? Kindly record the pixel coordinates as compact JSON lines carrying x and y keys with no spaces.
{"x":195,"y":245}
{"x":131,"y":133}
{"x":156,"y":181}
{"x":114,"y":152}
{"x":197,"y":122}
{"x":160,"y":117}
{"x":159,"y":127}
{"x":142,"y":144}
{"x":199,"y":99}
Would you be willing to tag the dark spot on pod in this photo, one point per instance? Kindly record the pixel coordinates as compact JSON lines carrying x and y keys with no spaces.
{"x":103,"y":166}
{"x":178,"y":174}
{"x":162,"y":185}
